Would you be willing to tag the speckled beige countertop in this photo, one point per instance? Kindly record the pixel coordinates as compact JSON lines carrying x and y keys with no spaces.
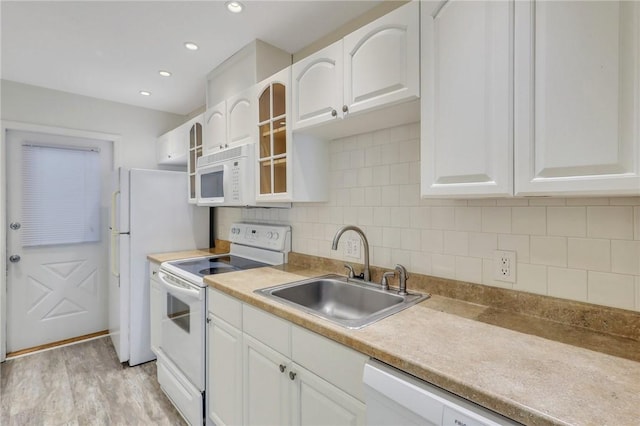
{"x":530,"y":379}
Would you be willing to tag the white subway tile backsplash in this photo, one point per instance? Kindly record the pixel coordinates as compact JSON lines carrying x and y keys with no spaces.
{"x":381,"y":175}
{"x":350,"y":178}
{"x":356,"y":159}
{"x":456,"y":243}
{"x":389,"y":154}
{"x":402,"y":257}
{"x":390,"y":196}
{"x":600,"y":201}
{"x":529,"y":220}
{"x":636,"y":223}
{"x":381,"y":256}
{"x":357,"y":196}
{"x":391,"y":238}
{"x":432,"y":240}
{"x":443,"y":265}
{"x":611,"y":289}
{"x":625,"y":257}
{"x":421,"y":262}
{"x":468,"y":219}
{"x":468,"y":269}
{"x":365,"y":140}
{"x":400,"y":217}
{"x":625,"y":201}
{"x":518,"y":243}
{"x":550,"y":251}
{"x":409,"y":150}
{"x":590,"y":254}
{"x":399,"y":174}
{"x":410,"y":239}
{"x":420,"y":217}
{"x":365,"y":176}
{"x":443,"y":218}
{"x":482,"y":245}
{"x":610,"y":222}
{"x":567,"y":283}
{"x":381,"y":137}
{"x":373,"y":156}
{"x":365,"y":216}
{"x":496,"y":219}
{"x":482,"y":202}
{"x":372,"y":196}
{"x":567,"y":221}
{"x":382,"y":216}
{"x":531,"y":278}
{"x":547,"y":201}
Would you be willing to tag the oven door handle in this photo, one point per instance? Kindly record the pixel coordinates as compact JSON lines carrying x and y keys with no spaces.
{"x":177,"y":289}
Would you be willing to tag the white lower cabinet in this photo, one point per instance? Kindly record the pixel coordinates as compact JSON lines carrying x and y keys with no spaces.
{"x":268,"y":371}
{"x":155,"y":307}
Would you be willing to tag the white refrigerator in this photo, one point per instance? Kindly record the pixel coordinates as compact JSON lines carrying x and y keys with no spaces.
{"x":149,"y":214}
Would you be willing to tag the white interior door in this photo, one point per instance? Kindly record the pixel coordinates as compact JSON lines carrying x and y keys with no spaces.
{"x":57,"y":240}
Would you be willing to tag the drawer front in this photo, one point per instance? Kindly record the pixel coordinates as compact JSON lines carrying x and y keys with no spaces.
{"x":336,"y":363}
{"x":225,"y":307}
{"x":269,"y":329}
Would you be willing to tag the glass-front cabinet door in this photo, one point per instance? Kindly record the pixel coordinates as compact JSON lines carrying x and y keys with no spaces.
{"x":274,"y":141}
{"x":195,"y":152}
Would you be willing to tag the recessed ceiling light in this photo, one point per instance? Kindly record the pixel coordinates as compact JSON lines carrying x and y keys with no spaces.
{"x":234,"y":6}
{"x":164,"y":73}
{"x":191,"y":46}
{"x":145,"y":93}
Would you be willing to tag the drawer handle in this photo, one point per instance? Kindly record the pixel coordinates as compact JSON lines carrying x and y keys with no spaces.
{"x":282,"y":368}
{"x":292,"y":375}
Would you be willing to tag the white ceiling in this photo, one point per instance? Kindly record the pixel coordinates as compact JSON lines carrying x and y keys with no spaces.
{"x":113,"y":49}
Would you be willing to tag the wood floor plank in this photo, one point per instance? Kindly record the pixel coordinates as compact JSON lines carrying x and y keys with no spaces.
{"x":82,"y":384}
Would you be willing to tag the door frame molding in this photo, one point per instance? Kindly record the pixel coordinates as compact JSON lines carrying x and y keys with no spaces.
{"x":5,"y":126}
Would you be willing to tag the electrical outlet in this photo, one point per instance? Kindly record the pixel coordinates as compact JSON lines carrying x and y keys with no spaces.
{"x":504,"y":263}
{"x":352,"y":246}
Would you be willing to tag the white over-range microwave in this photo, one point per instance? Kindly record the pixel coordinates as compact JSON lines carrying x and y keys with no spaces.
{"x":226,"y":178}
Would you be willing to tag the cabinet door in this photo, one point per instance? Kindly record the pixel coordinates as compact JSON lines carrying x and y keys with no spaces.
{"x":274,"y":139}
{"x":224,"y":373}
{"x":577,"y":98}
{"x":242,"y":115}
{"x":267,"y":388}
{"x":317,"y":402}
{"x":317,"y":82}
{"x":466,"y":131}
{"x":195,"y":152}
{"x":215,"y":128}
{"x":155,"y":310}
{"x":381,"y":61}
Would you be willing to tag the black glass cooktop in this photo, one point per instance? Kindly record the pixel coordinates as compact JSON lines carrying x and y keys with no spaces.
{"x":217,"y":265}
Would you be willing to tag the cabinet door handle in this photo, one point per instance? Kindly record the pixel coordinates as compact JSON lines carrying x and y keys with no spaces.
{"x":334,"y":113}
{"x":282,"y":368}
{"x":292,"y":375}
{"x":345,"y":108}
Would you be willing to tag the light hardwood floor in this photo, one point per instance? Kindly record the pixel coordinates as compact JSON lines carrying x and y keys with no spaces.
{"x":82,"y":384}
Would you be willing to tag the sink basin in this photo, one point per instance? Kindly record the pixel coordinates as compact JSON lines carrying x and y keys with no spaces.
{"x":347,"y":302}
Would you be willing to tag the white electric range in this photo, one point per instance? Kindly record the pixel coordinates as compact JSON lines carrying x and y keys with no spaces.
{"x":181,"y":353}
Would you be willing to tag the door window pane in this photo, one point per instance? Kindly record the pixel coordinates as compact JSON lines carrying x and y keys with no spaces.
{"x":60,"y":195}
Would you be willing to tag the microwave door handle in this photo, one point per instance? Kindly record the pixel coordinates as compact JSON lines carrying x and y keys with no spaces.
{"x":175,"y":289}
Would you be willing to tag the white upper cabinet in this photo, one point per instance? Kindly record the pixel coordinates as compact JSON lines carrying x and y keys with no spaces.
{"x":466,"y":101}
{"x":242,"y":113}
{"x":215,"y":128}
{"x":373,"y":67}
{"x":577,"y":98}
{"x":317,"y":87}
{"x":382,"y":61}
{"x":231,"y":122}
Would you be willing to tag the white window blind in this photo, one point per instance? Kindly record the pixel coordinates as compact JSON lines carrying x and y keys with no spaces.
{"x":61,"y":195}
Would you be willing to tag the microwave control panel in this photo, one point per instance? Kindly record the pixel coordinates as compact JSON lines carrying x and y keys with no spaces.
{"x":235,"y":190}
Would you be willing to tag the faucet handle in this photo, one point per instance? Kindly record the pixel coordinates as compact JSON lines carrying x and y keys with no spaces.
{"x":384,"y":283}
{"x":350,"y":268}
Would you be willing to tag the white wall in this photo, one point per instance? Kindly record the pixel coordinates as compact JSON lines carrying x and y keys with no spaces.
{"x":138,"y":127}
{"x":573,"y":248}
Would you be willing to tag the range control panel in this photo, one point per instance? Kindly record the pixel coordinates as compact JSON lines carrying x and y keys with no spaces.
{"x":271,"y":237}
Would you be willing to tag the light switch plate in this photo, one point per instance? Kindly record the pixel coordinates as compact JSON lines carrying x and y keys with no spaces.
{"x":352,"y":246}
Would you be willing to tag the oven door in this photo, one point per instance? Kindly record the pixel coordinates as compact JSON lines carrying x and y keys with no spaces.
{"x":182,"y":327}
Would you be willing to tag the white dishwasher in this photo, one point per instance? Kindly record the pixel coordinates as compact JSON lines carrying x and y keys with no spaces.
{"x":395,"y":398}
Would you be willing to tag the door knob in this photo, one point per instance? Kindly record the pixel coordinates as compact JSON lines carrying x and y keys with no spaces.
{"x":14,"y":258}
{"x":14,"y":225}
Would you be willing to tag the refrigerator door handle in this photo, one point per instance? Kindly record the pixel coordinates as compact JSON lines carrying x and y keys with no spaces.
{"x":114,"y":235}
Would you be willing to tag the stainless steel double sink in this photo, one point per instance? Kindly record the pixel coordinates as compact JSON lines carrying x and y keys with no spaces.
{"x":345,"y":301}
